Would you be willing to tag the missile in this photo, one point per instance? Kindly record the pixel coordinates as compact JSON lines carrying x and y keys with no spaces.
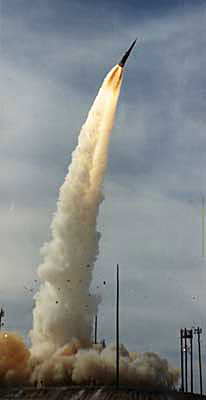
{"x":126,"y":55}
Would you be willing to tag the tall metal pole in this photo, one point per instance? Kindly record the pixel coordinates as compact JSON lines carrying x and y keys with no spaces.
{"x":95,"y":329}
{"x":182,"y":360}
{"x":185,"y":336}
{"x":117,"y":330}
{"x":191,"y":359}
{"x":199,"y":330}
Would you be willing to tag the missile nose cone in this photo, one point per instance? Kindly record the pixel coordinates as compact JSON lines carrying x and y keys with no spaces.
{"x":126,"y":55}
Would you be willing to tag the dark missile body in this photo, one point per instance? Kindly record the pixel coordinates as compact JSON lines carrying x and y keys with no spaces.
{"x":126,"y":55}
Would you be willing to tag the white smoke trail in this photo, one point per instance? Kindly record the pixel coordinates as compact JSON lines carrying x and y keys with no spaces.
{"x":64,"y":310}
{"x":64,"y":307}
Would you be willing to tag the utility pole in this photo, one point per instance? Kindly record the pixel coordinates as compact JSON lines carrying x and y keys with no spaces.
{"x":198,"y":332}
{"x":95,"y":329}
{"x":182,"y":359}
{"x":191,"y":359}
{"x":186,"y":334}
{"x":117,"y":330}
{"x":185,"y":349}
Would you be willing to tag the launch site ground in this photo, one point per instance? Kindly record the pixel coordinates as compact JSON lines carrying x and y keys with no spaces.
{"x":92,"y":393}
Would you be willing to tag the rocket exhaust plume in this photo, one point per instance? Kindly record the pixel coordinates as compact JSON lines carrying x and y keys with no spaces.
{"x":62,"y":350}
{"x":64,"y":307}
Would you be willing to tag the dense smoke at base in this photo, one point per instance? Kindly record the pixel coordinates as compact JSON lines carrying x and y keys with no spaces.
{"x":73,"y":365}
{"x":14,"y":359}
{"x":65,"y":308}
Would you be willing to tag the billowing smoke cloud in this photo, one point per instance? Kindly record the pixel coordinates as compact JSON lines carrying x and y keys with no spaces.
{"x":74,"y":365}
{"x":14,"y":359}
{"x":65,"y":308}
{"x":62,"y":350}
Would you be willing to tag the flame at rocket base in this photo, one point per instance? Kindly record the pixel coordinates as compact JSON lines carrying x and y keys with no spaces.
{"x":64,"y":307}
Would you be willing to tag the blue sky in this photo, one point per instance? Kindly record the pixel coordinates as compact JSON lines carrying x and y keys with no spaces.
{"x":54,"y":56}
